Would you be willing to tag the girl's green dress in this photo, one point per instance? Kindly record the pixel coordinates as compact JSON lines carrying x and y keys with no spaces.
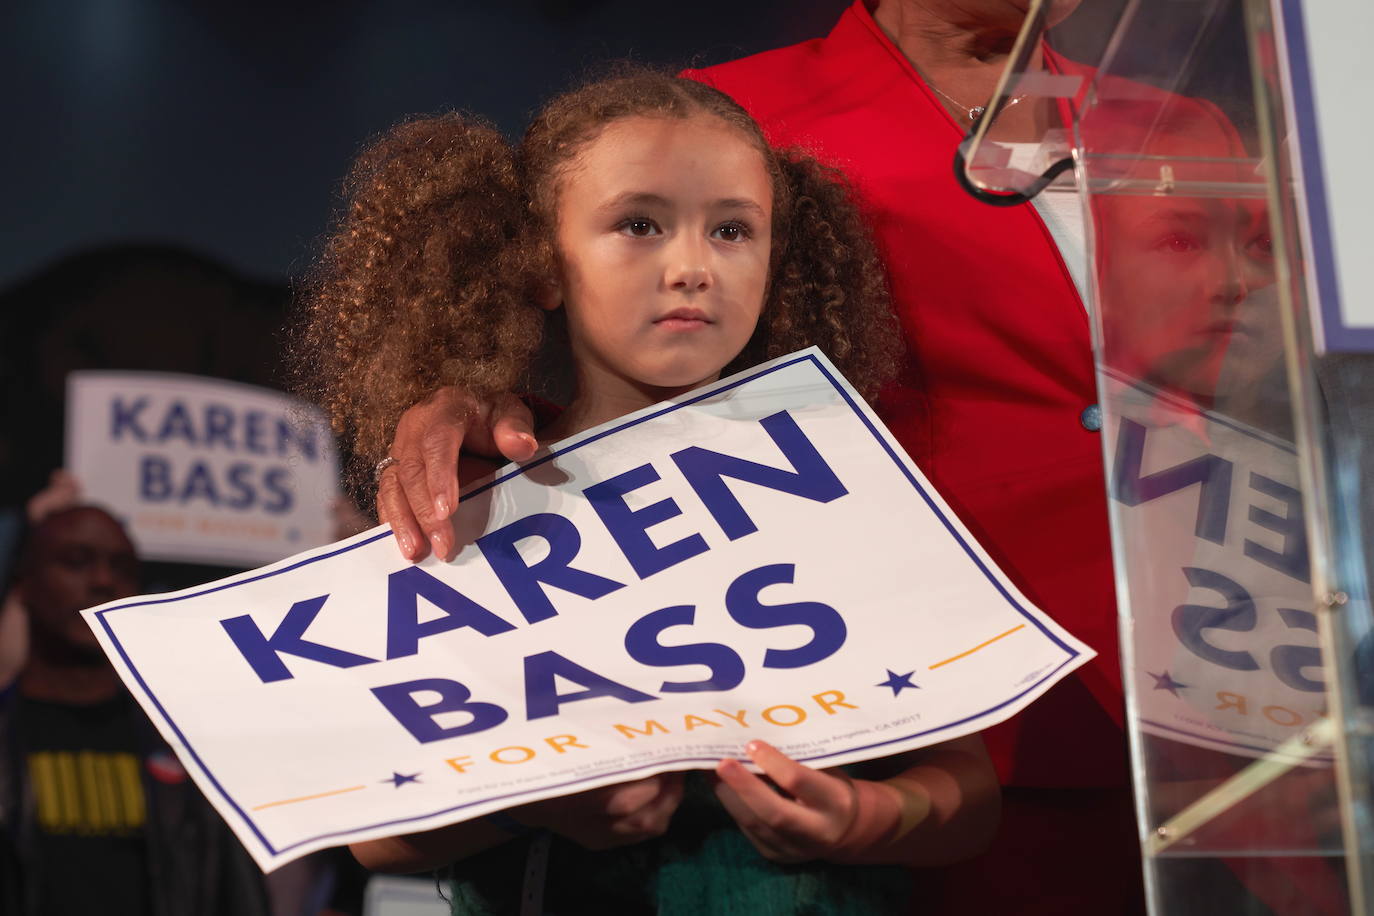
{"x":703,"y":866}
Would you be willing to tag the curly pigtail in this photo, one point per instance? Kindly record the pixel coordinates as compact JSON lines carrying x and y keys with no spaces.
{"x":828,"y":287}
{"x":427,"y":280}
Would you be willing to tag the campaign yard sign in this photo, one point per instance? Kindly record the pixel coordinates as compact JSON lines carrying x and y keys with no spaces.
{"x":203,"y":470}
{"x":1223,"y":650}
{"x":756,"y":559}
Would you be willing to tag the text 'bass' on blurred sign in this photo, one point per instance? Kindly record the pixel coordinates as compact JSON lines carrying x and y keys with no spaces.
{"x":755,"y":559}
{"x":202,"y":470}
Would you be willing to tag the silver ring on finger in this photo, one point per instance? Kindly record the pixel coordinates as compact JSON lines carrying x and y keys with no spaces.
{"x":382,"y":465}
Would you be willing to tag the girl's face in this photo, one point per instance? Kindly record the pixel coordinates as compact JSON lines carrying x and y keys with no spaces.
{"x":663,"y":238}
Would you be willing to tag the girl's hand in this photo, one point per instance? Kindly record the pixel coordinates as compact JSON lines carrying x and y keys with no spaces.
{"x":610,"y":816}
{"x":418,"y":493}
{"x":811,"y":821}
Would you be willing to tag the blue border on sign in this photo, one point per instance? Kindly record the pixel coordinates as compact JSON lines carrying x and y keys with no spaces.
{"x":1337,"y":335}
{"x":864,"y":418}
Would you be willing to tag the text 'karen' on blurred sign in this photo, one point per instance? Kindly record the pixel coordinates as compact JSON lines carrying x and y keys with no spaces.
{"x":203,"y":470}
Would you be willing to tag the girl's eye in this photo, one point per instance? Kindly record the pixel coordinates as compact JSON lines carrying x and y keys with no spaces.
{"x":1261,"y":247}
{"x":731,"y":232}
{"x":639,"y":228}
{"x":1180,"y":243}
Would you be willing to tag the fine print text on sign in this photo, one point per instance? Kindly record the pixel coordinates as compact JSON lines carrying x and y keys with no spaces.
{"x":757,"y":559}
{"x":203,"y":470}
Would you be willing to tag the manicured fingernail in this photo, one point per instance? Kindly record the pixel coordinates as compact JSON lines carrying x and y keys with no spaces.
{"x":751,"y":748}
{"x":438,"y":541}
{"x":441,"y":506}
{"x":529,"y":440}
{"x":407,"y":547}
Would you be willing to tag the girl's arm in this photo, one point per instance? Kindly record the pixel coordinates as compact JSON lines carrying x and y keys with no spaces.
{"x":936,"y":806}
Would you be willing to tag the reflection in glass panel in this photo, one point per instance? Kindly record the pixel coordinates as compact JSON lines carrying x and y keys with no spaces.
{"x":1239,"y":460}
{"x":1210,"y":503}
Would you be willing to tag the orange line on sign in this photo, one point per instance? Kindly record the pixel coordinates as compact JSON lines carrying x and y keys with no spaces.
{"x":981,"y":645}
{"x":292,"y":801}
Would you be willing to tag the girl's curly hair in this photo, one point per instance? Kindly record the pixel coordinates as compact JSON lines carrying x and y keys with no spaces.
{"x":434,"y":272}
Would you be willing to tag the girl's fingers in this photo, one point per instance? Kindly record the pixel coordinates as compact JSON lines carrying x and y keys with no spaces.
{"x":652,"y":820}
{"x":814,"y":789}
{"x":781,"y":816}
{"x":769,"y":844}
{"x":626,"y":798}
{"x":674,"y":787}
{"x":809,"y":823}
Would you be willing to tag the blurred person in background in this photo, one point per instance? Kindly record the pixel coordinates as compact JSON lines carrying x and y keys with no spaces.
{"x":299,"y":888}
{"x":96,"y":814}
{"x":62,"y":491}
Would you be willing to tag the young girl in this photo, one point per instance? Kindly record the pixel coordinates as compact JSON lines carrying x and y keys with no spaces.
{"x":643,"y":239}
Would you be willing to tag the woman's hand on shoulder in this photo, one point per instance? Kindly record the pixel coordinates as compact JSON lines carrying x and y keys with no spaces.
{"x":418,"y":492}
{"x":618,"y":815}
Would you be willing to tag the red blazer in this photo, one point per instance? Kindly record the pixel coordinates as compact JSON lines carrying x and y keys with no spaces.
{"x":999,"y":370}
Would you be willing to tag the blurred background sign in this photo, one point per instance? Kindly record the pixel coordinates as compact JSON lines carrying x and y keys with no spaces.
{"x":203,"y":470}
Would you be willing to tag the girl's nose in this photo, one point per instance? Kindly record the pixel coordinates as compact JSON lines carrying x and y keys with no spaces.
{"x":689,"y":266}
{"x":1228,"y":281}
{"x":690,"y":278}
{"x":1230,"y":288}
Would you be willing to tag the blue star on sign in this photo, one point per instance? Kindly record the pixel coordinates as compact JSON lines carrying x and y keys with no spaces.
{"x":1165,"y":682}
{"x":400,"y":779}
{"x":898,"y":682}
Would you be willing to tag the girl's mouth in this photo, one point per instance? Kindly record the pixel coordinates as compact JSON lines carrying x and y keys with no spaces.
{"x":683,"y":319}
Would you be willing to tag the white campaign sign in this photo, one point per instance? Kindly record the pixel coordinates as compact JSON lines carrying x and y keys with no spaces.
{"x":203,"y":470}
{"x":757,"y":559}
{"x":1209,"y":518}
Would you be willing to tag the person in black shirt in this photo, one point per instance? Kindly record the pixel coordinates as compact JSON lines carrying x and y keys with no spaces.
{"x":97,"y":814}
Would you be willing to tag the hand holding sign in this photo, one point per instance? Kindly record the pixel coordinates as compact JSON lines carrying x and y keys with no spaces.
{"x":811,"y":821}
{"x":610,"y":816}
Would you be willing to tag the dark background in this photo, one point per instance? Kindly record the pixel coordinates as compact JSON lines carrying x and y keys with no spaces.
{"x":225,"y":127}
{"x":168,"y":167}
